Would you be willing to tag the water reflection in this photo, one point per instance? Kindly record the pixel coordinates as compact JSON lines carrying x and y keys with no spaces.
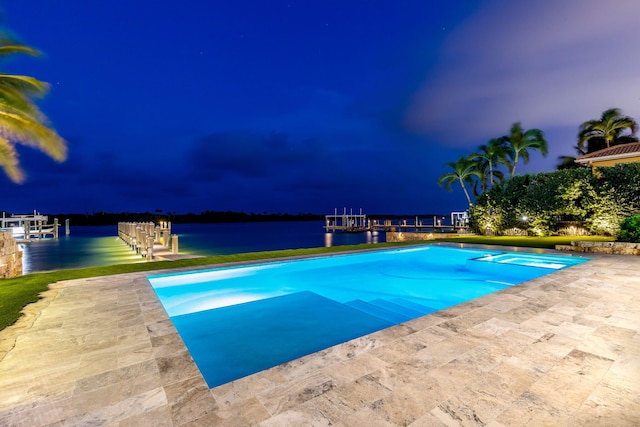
{"x":26,"y":258}
{"x":355,"y":238}
{"x":75,"y":252}
{"x":99,"y":245}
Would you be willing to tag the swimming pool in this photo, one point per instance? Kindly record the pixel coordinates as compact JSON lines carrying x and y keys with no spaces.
{"x":236,"y":321}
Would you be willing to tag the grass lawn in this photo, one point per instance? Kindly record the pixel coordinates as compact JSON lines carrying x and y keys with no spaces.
{"x":17,"y":292}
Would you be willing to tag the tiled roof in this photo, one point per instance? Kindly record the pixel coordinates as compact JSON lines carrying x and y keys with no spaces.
{"x":621,"y":150}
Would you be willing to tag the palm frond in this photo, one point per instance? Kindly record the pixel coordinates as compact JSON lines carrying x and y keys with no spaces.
{"x":447,"y":180}
{"x":519,"y":142}
{"x":610,"y":129}
{"x":29,"y":86}
{"x":9,"y":161}
{"x":17,"y":128}
{"x":567,"y":162}
{"x":10,"y":49}
{"x":21,"y":121}
{"x":12,"y":100}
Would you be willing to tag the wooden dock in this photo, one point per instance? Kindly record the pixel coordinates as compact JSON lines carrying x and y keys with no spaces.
{"x":152,"y":241}
{"x":346,"y":222}
{"x":31,"y":227}
{"x":356,"y":223}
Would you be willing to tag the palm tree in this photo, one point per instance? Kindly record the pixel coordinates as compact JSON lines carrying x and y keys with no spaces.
{"x":491,"y":155}
{"x":606,"y":131}
{"x":464,"y":170}
{"x":20,"y":119}
{"x":567,"y":162}
{"x":519,"y":142}
{"x":481,"y":184}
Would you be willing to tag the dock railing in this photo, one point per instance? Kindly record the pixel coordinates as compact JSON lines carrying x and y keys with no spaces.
{"x":142,"y":236}
{"x":353,"y":223}
{"x":28,"y":227}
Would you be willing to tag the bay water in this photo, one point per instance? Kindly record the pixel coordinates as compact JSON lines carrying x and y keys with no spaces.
{"x":88,"y":246}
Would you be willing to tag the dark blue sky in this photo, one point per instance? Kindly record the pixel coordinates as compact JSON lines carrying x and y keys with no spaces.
{"x":305,"y":106}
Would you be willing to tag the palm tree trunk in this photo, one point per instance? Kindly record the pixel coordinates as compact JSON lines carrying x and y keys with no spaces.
{"x":466,"y":193}
{"x":491,"y":174}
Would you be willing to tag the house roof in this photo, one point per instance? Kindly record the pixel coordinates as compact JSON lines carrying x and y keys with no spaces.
{"x":620,"y":151}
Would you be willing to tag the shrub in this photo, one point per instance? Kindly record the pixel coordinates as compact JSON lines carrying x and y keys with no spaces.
{"x":542,"y":203}
{"x":625,"y":178}
{"x":630,"y":229}
{"x":486,"y":219}
{"x":605,"y":211}
{"x":539,"y":224}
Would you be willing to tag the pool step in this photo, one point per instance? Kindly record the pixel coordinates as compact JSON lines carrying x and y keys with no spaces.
{"x":421,"y":308}
{"x":379,"y":312}
{"x":396,"y":308}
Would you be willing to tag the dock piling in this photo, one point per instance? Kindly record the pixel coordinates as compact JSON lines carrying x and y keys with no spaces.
{"x":142,"y":237}
{"x":174,"y":243}
{"x":149,"y":247}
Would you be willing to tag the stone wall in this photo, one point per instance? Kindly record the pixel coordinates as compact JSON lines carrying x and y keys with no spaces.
{"x":10,"y":256}
{"x":410,"y":236}
{"x":620,"y":248}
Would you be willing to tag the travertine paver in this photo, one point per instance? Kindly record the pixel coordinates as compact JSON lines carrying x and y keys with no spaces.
{"x":563,"y":349}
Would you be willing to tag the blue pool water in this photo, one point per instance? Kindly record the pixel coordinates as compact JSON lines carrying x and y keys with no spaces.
{"x":237,"y":321}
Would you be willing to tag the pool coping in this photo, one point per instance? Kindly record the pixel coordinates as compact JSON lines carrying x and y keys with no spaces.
{"x":103,"y":351}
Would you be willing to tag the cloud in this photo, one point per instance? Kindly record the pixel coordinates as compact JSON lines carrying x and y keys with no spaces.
{"x":244,"y":154}
{"x":547,"y":64}
{"x":244,"y":171}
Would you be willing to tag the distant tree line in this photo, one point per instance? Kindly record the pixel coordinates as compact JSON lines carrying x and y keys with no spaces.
{"x":112,"y":218}
{"x":109,"y":218}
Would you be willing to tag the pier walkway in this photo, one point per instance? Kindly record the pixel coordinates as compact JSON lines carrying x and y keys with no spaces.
{"x":152,"y":241}
{"x":355,"y":223}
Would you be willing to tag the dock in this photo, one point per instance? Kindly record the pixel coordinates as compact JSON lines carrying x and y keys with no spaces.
{"x":347,"y":222}
{"x":152,"y":241}
{"x":359,"y":222}
{"x":29,"y":227}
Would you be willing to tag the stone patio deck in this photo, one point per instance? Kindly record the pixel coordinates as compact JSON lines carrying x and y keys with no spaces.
{"x":561,"y":350}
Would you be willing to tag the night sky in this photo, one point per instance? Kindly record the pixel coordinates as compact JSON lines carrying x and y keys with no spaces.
{"x":305,"y":106}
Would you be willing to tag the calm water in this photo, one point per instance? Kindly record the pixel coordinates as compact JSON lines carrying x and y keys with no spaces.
{"x":240,"y":320}
{"x":99,"y":245}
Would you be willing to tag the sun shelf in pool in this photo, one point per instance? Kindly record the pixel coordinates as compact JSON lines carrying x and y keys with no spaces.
{"x":541,"y":261}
